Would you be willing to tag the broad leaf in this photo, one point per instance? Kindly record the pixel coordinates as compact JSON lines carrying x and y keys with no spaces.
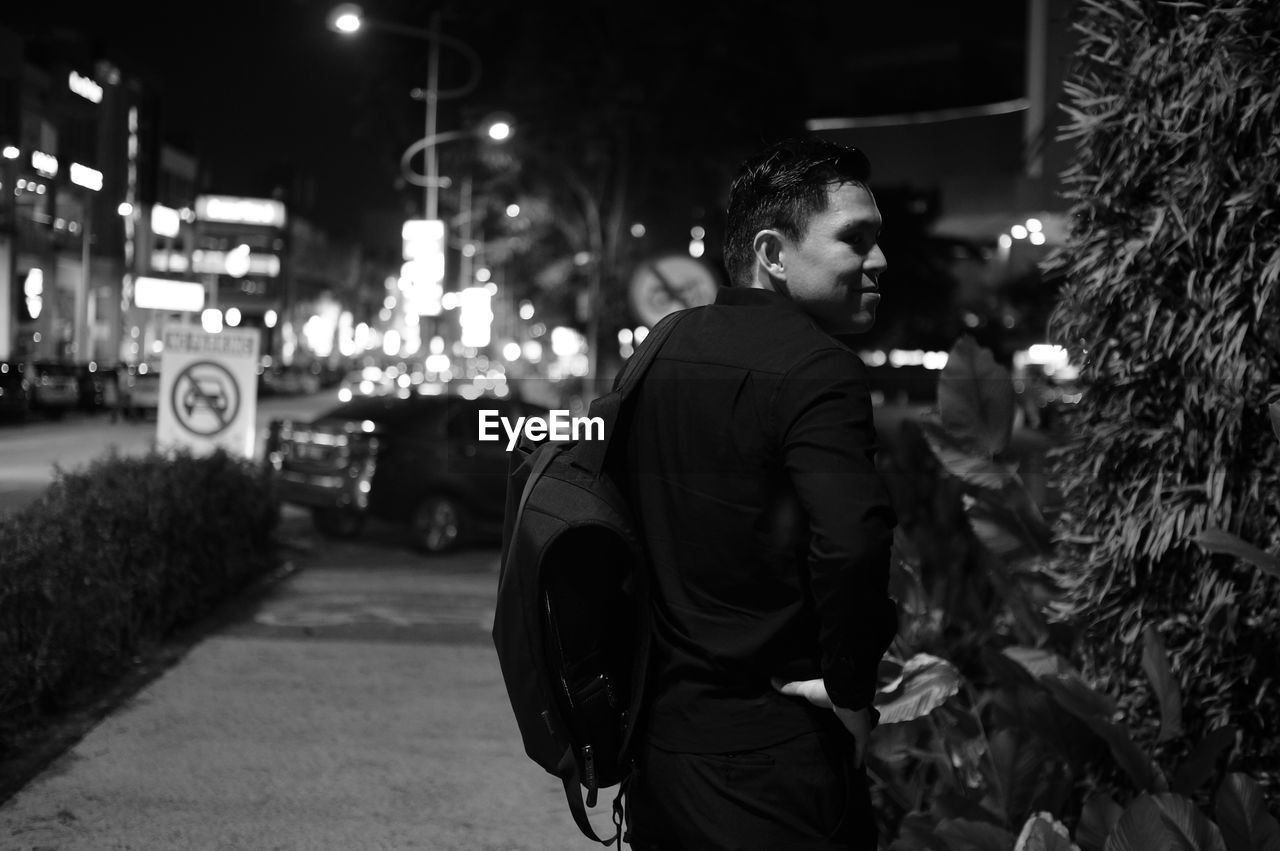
{"x":1155,"y":663}
{"x":1097,"y":820}
{"x":1167,"y":822}
{"x":963,"y":835}
{"x":1040,"y":662}
{"x":1219,"y":541}
{"x":1018,"y":763}
{"x":966,"y":462}
{"x":1022,"y":506}
{"x":1199,"y":766}
{"x":1273,"y":411}
{"x":948,"y":803}
{"x":993,"y":530}
{"x":1005,"y":670}
{"x":1079,"y":697}
{"x":919,"y":832}
{"x":1043,"y":832}
{"x":927,"y":683}
{"x":1082,"y":702}
{"x":926,"y":843}
{"x":1010,"y":527}
{"x":1242,"y":815}
{"x":976,"y":397}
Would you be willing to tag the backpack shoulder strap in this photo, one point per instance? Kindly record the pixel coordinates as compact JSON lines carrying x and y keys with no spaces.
{"x":540,"y":461}
{"x":591,"y":454}
{"x":568,"y":772}
{"x":634,"y":369}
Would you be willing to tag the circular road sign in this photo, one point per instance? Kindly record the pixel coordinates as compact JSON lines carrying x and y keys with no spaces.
{"x":205,"y":398}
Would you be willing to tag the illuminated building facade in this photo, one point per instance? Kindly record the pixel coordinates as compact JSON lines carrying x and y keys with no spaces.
{"x":62,"y":176}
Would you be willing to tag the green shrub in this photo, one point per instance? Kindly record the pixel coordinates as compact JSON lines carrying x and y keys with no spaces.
{"x":1020,"y":751}
{"x":1169,"y":278}
{"x":115,"y":556}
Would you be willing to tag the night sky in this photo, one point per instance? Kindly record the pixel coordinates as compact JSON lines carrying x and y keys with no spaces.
{"x":260,"y":88}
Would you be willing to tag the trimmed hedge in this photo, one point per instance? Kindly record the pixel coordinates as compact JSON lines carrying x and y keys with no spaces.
{"x":113,"y":557}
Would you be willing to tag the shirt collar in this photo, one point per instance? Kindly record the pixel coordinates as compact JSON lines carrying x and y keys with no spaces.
{"x":753,"y":297}
{"x":760,"y":297}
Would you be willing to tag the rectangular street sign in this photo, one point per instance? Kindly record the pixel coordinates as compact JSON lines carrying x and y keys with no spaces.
{"x":208,"y":389}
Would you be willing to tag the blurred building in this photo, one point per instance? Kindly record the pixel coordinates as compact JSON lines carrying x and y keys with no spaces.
{"x":108,"y":231}
{"x":66,"y":124}
{"x":991,"y":169}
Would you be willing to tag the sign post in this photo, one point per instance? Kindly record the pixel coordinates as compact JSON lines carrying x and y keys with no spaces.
{"x":208,"y":389}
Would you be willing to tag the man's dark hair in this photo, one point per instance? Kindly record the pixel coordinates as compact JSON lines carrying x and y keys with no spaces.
{"x":781,"y":188}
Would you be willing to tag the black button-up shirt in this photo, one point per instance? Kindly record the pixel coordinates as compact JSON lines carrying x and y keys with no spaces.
{"x":751,"y":464}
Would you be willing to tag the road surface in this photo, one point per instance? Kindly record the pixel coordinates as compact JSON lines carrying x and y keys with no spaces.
{"x":29,"y":450}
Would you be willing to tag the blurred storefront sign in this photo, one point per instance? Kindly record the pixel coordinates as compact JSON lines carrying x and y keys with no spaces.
{"x":163,"y":294}
{"x":212,"y":262}
{"x":165,"y":221}
{"x":422,"y":275}
{"x":240,"y":211}
{"x":85,"y":87}
{"x":44,"y":164}
{"x":475,"y":316}
{"x":89,"y":178}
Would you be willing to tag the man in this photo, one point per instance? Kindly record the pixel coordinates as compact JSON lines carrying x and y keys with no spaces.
{"x":751,"y":471}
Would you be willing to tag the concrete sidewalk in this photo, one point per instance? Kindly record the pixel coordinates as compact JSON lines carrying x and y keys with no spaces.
{"x":397,"y":735}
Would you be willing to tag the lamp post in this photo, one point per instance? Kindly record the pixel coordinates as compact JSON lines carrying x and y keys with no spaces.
{"x":497,"y":130}
{"x":348,"y":19}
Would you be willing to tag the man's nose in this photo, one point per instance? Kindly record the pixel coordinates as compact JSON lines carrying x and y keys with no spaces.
{"x":876,"y":263}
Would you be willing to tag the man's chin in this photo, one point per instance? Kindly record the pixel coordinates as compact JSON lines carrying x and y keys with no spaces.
{"x":860,"y":323}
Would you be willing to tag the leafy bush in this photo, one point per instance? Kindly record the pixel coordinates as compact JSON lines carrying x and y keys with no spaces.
{"x":112,"y":557}
{"x":1020,"y":750}
{"x":1169,"y":278}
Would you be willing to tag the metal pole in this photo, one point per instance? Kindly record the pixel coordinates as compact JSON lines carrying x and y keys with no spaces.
{"x":80,"y":331}
{"x":431,"y":169}
{"x":466,"y":274}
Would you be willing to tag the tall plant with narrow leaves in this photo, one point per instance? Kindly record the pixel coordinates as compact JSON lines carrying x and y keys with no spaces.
{"x":1168,"y":296}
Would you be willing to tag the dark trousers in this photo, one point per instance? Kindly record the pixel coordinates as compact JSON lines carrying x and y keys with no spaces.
{"x":800,"y":795}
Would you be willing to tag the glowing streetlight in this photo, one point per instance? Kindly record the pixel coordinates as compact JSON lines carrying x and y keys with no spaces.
{"x":348,"y":19}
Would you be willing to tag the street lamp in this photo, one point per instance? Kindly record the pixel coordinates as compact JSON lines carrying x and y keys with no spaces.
{"x":348,"y":19}
{"x":497,"y":129}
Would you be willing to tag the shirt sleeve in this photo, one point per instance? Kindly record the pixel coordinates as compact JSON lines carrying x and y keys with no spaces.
{"x":829,"y":444}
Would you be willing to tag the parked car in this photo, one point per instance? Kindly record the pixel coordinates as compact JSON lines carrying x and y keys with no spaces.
{"x":294,"y":380}
{"x":53,"y":387}
{"x":139,"y":390}
{"x":415,"y":461}
{"x":14,"y":400}
{"x":98,"y":388}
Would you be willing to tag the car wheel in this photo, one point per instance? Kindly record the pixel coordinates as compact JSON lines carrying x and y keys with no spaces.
{"x":437,"y":524}
{"x":337,"y":522}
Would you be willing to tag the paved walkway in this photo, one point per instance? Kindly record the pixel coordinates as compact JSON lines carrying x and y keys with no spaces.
{"x":358,"y":706}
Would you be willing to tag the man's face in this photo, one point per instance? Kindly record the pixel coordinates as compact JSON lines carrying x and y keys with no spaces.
{"x":832,"y":272}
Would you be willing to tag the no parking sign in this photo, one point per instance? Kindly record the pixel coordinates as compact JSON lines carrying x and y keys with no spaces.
{"x":208,"y":389}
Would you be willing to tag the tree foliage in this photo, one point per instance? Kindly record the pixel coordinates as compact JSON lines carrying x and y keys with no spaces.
{"x":1168,"y":296}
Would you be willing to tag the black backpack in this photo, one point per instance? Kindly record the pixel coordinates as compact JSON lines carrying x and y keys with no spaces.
{"x":571,"y":621}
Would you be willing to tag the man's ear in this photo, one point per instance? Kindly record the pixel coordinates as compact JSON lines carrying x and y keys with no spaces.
{"x":768,"y":250}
